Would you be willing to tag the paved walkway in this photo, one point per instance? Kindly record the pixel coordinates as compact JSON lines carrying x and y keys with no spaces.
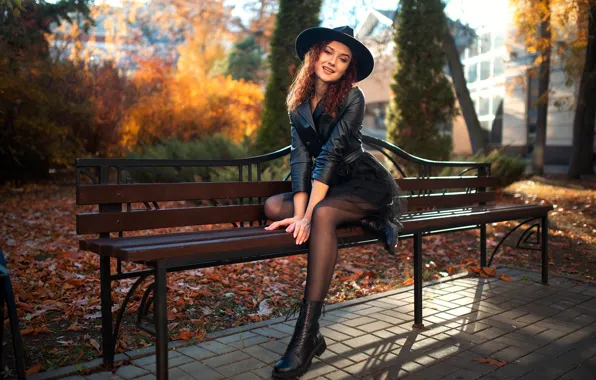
{"x":527,"y":330}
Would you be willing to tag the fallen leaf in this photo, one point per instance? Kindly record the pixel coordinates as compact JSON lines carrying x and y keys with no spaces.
{"x":264,"y":308}
{"x":75,"y":282}
{"x":95,"y":345}
{"x":33,"y":370}
{"x":353,"y":277}
{"x":490,"y":361}
{"x":483,"y":272}
{"x":75,"y":328}
{"x":504,"y":277}
{"x":408,"y":282}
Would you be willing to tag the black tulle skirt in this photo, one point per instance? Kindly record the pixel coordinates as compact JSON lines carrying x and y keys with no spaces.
{"x":366,"y":179}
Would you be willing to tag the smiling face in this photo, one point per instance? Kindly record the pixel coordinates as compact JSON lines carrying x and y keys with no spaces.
{"x":333,"y":62}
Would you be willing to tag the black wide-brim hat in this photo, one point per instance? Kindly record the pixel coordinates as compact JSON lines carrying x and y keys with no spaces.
{"x":344,"y":34}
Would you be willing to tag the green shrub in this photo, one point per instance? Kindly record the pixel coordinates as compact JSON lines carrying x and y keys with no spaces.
{"x":210,"y":148}
{"x":506,"y":167}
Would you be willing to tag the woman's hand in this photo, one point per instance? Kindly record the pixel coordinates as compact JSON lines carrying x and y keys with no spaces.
{"x":302,"y":230}
{"x":300,"y":227}
{"x":284,"y":222}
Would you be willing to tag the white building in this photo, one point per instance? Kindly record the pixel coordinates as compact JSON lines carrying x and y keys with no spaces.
{"x":502,"y":83}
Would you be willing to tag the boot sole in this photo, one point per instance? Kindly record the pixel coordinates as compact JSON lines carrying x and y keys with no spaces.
{"x":302,"y":370}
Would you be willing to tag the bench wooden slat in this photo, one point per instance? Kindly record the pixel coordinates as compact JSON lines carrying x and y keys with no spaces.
{"x":226,"y":245}
{"x":446,"y":183}
{"x":92,"y":223}
{"x":150,"y":219}
{"x":108,"y":246}
{"x":449,"y":200}
{"x":159,"y":192}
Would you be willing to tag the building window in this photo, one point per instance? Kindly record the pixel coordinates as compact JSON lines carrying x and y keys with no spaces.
{"x":498,"y":66}
{"x":484,"y":107}
{"x":377,"y":110}
{"x":378,"y":29}
{"x":472,"y":72}
{"x":484,"y":70}
{"x":499,"y":40}
{"x":473,"y":49}
{"x":485,"y":44}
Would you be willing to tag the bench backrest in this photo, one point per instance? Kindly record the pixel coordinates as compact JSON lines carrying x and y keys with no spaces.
{"x":129,"y":207}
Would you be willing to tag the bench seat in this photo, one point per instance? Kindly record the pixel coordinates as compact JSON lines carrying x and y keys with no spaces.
{"x":240,"y":244}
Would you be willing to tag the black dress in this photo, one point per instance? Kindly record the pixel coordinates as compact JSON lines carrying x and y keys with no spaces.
{"x":365,"y":181}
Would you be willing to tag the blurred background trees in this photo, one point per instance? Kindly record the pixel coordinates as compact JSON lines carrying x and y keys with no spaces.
{"x":423,"y":98}
{"x":81,"y":78}
{"x":294,"y":16}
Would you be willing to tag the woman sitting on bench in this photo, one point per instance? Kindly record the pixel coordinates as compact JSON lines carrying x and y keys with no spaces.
{"x":349,"y":185}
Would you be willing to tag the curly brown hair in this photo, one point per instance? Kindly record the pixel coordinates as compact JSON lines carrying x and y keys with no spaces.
{"x":303,"y":85}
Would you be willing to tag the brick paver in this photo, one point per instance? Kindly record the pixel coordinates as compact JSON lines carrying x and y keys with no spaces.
{"x":538,"y":332}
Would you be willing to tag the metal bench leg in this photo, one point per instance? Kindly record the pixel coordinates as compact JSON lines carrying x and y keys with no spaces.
{"x":2,"y":299}
{"x":7,"y":296}
{"x":108,"y":344}
{"x":17,"y":340}
{"x":418,"y":281}
{"x":482,"y":245}
{"x":544,"y":247}
{"x":161,"y":320}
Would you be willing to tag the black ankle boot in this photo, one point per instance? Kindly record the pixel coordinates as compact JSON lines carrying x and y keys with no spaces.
{"x":385,"y":230}
{"x":306,"y":342}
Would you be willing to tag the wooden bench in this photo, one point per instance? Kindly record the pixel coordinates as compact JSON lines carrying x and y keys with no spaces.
{"x":436,"y":205}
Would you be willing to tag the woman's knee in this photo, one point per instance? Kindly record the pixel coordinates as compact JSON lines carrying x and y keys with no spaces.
{"x":272,"y":208}
{"x":276,"y":207}
{"x":322,"y":214}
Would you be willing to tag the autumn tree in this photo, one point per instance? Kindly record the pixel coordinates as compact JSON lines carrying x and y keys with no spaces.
{"x":533,"y":21}
{"x":423,"y":98}
{"x":259,"y":24}
{"x":460,"y":86}
{"x":293,"y":17}
{"x":566,"y":42}
{"x":41,"y":106}
{"x":582,"y":155}
{"x":189,"y":100}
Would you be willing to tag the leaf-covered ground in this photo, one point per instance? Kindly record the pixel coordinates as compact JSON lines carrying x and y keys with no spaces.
{"x":57,"y":287}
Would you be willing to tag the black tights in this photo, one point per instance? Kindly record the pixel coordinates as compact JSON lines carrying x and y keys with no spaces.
{"x":322,"y":242}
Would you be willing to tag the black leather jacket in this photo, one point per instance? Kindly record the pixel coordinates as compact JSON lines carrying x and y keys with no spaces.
{"x":337,"y":142}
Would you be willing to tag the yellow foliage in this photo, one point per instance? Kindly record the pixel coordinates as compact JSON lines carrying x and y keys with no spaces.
{"x":568,"y":27}
{"x":189,"y":105}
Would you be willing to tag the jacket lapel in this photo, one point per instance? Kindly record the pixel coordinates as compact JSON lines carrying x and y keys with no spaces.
{"x":306,"y":113}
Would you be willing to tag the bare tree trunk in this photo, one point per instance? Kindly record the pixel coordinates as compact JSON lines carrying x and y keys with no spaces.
{"x":462,"y":92}
{"x":585,"y":111}
{"x":543,"y":84}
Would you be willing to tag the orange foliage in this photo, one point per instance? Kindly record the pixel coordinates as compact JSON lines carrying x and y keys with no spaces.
{"x":192,"y":99}
{"x":189,"y":105}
